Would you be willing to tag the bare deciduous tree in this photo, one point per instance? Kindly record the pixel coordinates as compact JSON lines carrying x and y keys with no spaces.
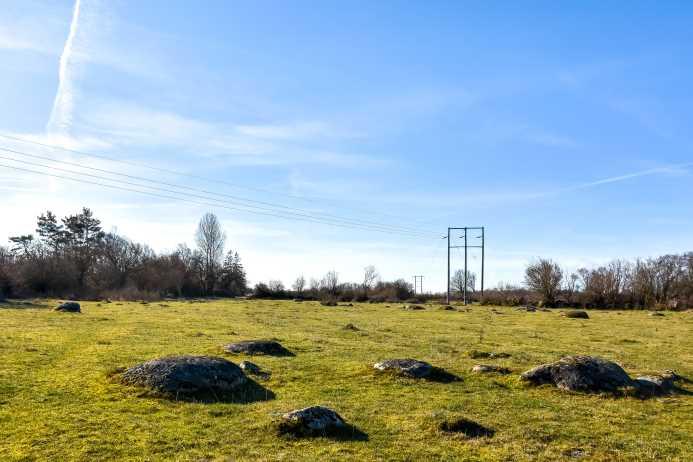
{"x":457,"y":281}
{"x":210,"y":239}
{"x":276,"y":287}
{"x":370,"y":277}
{"x":330,"y":283}
{"x":299,"y":285}
{"x":544,"y":277}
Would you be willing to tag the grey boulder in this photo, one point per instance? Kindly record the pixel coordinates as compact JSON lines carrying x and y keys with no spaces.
{"x":580,"y":373}
{"x":654,"y":385}
{"x":69,"y":307}
{"x":258,"y":347}
{"x":187,"y":377}
{"x":407,"y":367}
{"x":312,"y":421}
{"x":490,"y":369}
{"x":576,"y":314}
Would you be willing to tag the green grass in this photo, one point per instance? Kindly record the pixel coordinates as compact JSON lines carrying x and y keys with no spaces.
{"x":58,"y":403}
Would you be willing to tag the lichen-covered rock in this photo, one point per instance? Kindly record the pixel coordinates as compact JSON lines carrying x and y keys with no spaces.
{"x":312,"y":421}
{"x":580,"y":373}
{"x":69,"y":307}
{"x":413,"y":307}
{"x":575,"y":314}
{"x":250,"y":368}
{"x":655,"y":385}
{"x":187,"y":377}
{"x":407,"y":367}
{"x":258,"y":347}
{"x":490,"y":369}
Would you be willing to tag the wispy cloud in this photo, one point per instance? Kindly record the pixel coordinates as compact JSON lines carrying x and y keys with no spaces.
{"x":134,"y":126}
{"x":63,"y":105}
{"x":678,"y":169}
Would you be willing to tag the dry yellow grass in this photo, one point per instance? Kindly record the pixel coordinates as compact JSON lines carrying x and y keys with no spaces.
{"x":58,"y":403}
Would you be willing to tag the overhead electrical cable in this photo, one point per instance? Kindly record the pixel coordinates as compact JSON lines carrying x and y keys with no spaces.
{"x":180,"y":173}
{"x":235,"y":198}
{"x":219,"y":203}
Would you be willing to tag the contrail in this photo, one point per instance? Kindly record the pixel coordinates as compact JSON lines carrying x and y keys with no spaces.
{"x":63,"y":105}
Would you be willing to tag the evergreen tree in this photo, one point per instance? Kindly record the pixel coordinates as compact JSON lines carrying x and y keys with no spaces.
{"x":50,"y":231}
{"x":233,"y":280}
{"x":83,"y":239}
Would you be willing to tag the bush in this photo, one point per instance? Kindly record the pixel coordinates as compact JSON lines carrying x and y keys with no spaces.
{"x":130,"y":294}
{"x":346,"y":297}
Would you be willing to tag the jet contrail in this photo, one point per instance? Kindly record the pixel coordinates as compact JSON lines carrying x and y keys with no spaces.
{"x":63,"y":105}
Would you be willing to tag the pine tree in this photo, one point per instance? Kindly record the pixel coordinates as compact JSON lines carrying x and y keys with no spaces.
{"x":233,"y":279}
{"x":83,"y":239}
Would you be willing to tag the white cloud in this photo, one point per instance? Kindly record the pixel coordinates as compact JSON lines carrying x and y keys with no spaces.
{"x":61,"y":116}
{"x":132,"y":125}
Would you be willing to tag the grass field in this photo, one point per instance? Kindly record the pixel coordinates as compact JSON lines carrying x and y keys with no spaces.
{"x":57,"y":401}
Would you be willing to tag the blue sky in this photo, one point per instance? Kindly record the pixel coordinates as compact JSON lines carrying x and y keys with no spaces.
{"x":563,"y":128}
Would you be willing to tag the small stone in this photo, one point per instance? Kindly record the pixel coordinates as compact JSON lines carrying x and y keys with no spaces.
{"x":476,"y":354}
{"x":413,"y":307}
{"x":69,"y":307}
{"x":250,"y":368}
{"x":655,"y":385}
{"x":490,"y":369}
{"x":258,"y":347}
{"x":407,"y":367}
{"x":312,"y":421}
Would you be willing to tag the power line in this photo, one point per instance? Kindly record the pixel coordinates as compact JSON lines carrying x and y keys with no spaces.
{"x":283,"y":214}
{"x":121,"y":188}
{"x":180,"y":173}
{"x":270,"y":206}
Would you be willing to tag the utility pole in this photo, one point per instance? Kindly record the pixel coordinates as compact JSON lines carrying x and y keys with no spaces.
{"x":418,"y":279}
{"x":466,"y":274}
{"x":448,"y":292}
{"x":482,"y":261}
{"x":466,"y":247}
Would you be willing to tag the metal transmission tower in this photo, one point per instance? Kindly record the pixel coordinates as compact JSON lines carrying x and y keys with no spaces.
{"x":418,"y":279}
{"x":466,"y":246}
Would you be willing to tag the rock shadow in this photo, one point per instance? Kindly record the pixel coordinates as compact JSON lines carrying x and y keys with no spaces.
{"x":440,"y":375}
{"x":249,"y":392}
{"x":347,"y":432}
{"x":466,"y":427}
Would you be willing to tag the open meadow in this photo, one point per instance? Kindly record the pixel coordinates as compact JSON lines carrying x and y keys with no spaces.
{"x":59,"y":399}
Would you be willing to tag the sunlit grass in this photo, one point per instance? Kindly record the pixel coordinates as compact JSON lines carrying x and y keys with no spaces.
{"x":57,"y":401}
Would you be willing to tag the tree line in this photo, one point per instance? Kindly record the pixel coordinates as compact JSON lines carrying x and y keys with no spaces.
{"x":74,"y":257}
{"x":664,"y":282}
